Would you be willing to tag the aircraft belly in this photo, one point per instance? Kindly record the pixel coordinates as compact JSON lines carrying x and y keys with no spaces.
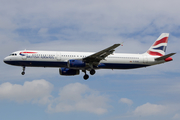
{"x":104,"y":65}
{"x":38,"y":63}
{"x":121,"y":66}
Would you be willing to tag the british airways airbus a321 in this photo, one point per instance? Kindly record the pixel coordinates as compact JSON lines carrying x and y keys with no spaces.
{"x":70,"y":63}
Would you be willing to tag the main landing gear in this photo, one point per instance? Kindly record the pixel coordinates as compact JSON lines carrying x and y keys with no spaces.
{"x":86,"y":76}
{"x":92,"y":72}
{"x":23,"y":72}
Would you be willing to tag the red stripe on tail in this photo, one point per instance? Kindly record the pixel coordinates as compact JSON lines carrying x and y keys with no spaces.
{"x":163,"y":40}
{"x":154,"y":53}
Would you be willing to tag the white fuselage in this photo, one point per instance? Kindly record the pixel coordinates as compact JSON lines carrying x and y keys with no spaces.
{"x":70,"y":63}
{"x":60,"y":59}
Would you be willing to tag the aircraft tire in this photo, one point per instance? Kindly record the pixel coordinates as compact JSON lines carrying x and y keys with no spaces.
{"x":23,"y":73}
{"x":86,"y":77}
{"x":92,"y":72}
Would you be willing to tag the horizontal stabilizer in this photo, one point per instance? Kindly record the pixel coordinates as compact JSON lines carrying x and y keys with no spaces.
{"x":164,"y":57}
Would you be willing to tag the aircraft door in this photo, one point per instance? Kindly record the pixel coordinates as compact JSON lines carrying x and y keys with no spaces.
{"x":58,"y":56}
{"x":24,"y":57}
{"x":145,"y":59}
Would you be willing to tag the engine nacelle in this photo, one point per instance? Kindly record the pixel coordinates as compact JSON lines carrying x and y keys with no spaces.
{"x":68,"y":72}
{"x":76,"y":64}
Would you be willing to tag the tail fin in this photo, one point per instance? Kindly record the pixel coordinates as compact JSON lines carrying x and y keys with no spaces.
{"x":159,"y":46}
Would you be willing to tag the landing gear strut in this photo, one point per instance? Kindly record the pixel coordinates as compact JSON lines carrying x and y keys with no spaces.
{"x":23,"y":72}
{"x":86,"y":76}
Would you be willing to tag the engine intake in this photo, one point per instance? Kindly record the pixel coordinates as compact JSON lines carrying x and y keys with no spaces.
{"x":68,"y":72}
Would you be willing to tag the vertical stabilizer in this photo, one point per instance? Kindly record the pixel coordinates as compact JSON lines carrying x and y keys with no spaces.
{"x":159,"y":46}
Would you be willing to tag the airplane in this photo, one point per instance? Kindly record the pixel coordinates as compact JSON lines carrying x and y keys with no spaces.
{"x":70,"y":63}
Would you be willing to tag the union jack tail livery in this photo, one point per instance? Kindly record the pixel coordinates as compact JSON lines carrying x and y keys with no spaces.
{"x":70,"y":63}
{"x":159,"y":46}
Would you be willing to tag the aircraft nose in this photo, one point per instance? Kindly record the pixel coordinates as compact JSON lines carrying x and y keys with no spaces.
{"x":6,"y":60}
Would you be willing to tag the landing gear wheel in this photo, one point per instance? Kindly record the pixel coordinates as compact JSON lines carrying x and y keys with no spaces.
{"x":92,"y":72}
{"x":86,"y":77}
{"x":23,"y":73}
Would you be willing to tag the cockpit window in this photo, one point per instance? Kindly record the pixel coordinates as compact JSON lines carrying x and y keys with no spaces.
{"x":13,"y":54}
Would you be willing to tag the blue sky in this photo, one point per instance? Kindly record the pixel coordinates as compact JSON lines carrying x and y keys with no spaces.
{"x":82,"y":25}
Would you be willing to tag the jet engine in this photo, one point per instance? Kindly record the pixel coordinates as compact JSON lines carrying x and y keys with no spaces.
{"x":76,"y":64}
{"x":68,"y":72}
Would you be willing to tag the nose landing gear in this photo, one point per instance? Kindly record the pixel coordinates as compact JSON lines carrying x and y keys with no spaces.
{"x":23,"y":72}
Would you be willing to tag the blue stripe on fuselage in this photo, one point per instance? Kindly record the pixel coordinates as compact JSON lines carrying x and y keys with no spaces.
{"x":64,"y":64}
{"x":37,"y":63}
{"x":121,"y":66}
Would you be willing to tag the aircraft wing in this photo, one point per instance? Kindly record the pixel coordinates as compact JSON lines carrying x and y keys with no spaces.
{"x":95,"y":58}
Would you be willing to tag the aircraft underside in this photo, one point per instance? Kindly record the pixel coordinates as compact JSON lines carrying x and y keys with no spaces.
{"x":64,"y":64}
{"x":64,"y":70}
